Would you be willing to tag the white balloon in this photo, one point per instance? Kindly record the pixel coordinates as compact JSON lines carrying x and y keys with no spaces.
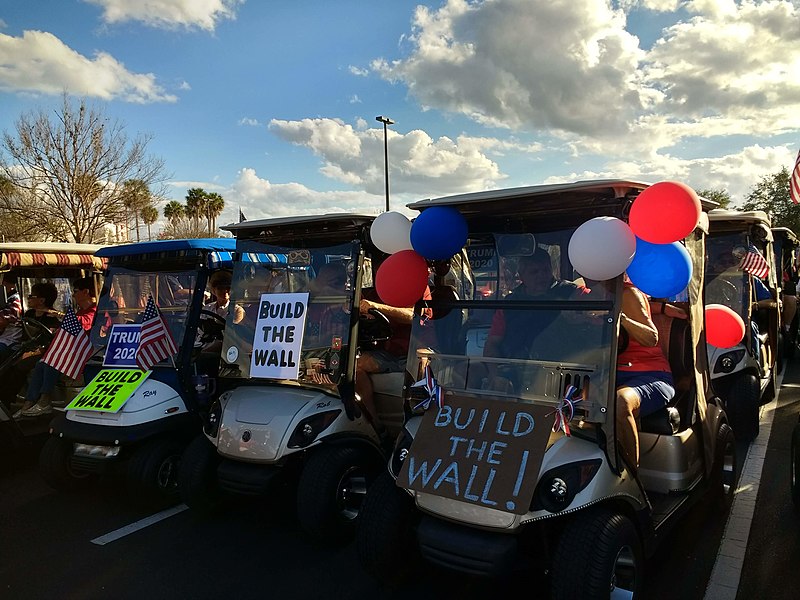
{"x":391,"y":232}
{"x":602,"y":248}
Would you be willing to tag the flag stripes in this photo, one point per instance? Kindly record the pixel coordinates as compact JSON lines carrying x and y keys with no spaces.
{"x":70,"y":349}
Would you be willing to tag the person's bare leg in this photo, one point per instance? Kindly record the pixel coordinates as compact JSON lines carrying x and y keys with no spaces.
{"x":628,"y":404}
{"x":366,"y":365}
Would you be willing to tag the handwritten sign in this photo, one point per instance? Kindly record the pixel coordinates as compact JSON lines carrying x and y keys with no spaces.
{"x":109,"y":390}
{"x":486,"y":452}
{"x":123,"y":341}
{"x":278,"y":336}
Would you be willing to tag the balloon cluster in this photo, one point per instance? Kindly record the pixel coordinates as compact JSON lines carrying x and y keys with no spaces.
{"x":647,"y":247}
{"x":438,"y":233}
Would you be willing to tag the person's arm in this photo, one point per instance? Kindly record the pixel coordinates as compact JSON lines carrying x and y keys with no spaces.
{"x":635,"y":318}
{"x":85,"y":317}
{"x":400,"y":316}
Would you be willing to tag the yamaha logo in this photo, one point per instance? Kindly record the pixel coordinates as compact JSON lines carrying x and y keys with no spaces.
{"x":246,"y":435}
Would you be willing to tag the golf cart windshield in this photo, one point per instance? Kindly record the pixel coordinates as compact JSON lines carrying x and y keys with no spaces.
{"x":125,"y":295}
{"x":531,"y":329}
{"x":726,"y":283}
{"x":298,"y":307}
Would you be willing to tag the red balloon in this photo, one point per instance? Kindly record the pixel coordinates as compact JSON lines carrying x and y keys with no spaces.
{"x":665,"y":212}
{"x":724,"y":327}
{"x":402,"y":278}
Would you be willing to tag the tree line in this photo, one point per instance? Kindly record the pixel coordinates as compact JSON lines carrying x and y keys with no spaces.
{"x":73,"y":175}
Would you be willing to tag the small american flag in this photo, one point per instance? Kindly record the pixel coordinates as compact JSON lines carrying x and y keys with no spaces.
{"x":15,"y":304}
{"x":155,"y":341}
{"x":70,"y":348}
{"x":794,"y":181}
{"x":754,"y":263}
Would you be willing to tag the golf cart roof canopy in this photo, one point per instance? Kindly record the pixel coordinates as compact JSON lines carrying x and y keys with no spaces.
{"x":37,"y":255}
{"x":723,"y":220}
{"x":162,"y":246}
{"x":582,"y":199}
{"x":787,"y":234}
{"x":314,"y":229}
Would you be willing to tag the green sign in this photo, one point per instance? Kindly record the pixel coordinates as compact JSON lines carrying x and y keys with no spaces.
{"x":109,"y":391}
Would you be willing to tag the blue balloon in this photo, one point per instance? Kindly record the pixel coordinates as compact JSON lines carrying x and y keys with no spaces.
{"x":439,"y":233}
{"x":660,"y":270}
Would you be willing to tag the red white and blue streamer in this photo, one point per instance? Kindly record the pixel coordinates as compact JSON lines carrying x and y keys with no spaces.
{"x":431,"y":386}
{"x":565,"y":410}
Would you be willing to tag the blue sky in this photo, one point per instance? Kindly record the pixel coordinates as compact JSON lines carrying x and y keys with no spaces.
{"x":273,"y":103}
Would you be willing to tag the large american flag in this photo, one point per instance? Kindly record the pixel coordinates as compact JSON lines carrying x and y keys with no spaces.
{"x":794,"y":181}
{"x":70,"y":348}
{"x":155,"y":341}
{"x":754,"y":263}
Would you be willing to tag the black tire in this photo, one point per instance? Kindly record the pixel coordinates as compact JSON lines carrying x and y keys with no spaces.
{"x":55,"y":469}
{"x":152,"y":474}
{"x":385,"y":541}
{"x":604,"y":548}
{"x":197,"y":477}
{"x":723,"y":475}
{"x":795,"y":463}
{"x":742,"y":404}
{"x":332,"y":488}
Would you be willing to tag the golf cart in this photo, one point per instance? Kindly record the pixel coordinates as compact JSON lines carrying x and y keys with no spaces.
{"x":126,"y":421}
{"x":29,"y":263}
{"x":488,"y":480}
{"x":294,"y":418}
{"x":743,"y":376}
{"x":787,"y":246}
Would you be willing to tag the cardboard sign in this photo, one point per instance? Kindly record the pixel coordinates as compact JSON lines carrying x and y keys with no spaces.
{"x":278,"y":336}
{"x":109,"y":390}
{"x":487,"y":452}
{"x":123,"y":342}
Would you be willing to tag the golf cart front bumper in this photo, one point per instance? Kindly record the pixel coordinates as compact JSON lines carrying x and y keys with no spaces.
{"x":248,"y":479}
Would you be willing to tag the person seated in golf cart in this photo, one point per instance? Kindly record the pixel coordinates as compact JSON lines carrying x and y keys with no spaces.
{"x":43,"y":377}
{"x":644,"y":377}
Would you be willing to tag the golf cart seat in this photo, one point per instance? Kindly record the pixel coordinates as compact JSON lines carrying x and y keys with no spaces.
{"x":674,"y":338}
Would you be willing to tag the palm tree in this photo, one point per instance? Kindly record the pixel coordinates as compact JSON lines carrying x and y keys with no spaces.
{"x":149,"y":215}
{"x":214,"y":207}
{"x":196,"y":201}
{"x":174,"y":211}
{"x":135,"y":196}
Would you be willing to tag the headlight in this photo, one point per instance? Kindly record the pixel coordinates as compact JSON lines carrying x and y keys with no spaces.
{"x":309,"y":428}
{"x":211,"y":425}
{"x":558,"y":487}
{"x":96,"y":451}
{"x":728,"y":361}
{"x":400,"y":452}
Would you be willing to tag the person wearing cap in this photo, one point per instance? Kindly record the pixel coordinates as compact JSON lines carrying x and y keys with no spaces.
{"x":220,"y":284}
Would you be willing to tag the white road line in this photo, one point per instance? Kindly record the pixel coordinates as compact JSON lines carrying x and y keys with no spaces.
{"x":724,"y":581}
{"x":141,"y":524}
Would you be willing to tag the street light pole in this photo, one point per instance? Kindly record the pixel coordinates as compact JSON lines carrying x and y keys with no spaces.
{"x":386,"y":121}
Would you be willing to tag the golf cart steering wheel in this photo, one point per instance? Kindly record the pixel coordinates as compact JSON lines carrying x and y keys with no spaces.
{"x":211,"y":324}
{"x":36,"y":331}
{"x":721,"y":291}
{"x":375,"y":329}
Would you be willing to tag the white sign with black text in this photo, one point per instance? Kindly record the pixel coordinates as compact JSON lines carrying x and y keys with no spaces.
{"x":278,"y":336}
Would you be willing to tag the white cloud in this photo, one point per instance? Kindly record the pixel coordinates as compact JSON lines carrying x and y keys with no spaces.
{"x":358,"y":71}
{"x":418,"y":164}
{"x":169,"y":14}
{"x":575,"y":71}
{"x":249,"y":122}
{"x":735,"y":173}
{"x":354,"y":99}
{"x":40,"y":62}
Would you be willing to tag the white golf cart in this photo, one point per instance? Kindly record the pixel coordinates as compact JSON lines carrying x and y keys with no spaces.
{"x":127,"y":422}
{"x":743,"y":376}
{"x":483,"y":484}
{"x":294,"y":415}
{"x":787,"y":246}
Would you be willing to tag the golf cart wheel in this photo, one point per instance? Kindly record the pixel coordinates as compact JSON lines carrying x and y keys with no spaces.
{"x":197,"y":477}
{"x":153,"y":471}
{"x":604,"y":547}
{"x":332,"y":488}
{"x":385,"y":541}
{"x":723,"y":482}
{"x":55,"y":468}
{"x":742,"y":406}
{"x":795,"y":459}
